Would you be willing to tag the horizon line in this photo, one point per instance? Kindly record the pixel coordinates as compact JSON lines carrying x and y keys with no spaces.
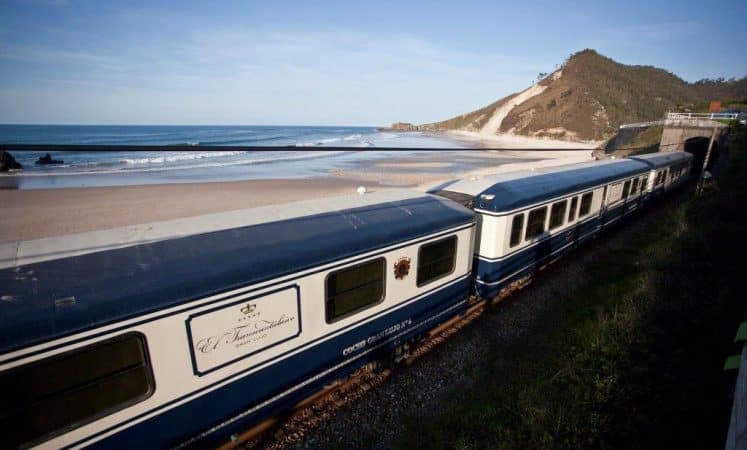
{"x":180,"y":125}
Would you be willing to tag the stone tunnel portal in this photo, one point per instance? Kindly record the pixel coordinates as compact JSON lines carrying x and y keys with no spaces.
{"x":698,"y":146}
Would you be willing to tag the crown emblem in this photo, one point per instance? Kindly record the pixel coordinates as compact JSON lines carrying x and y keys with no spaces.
{"x":401,"y":268}
{"x":248,"y":309}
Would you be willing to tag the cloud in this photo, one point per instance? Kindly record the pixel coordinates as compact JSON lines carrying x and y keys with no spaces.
{"x":246,"y":75}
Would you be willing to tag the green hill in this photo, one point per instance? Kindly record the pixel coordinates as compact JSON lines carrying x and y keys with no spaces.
{"x":591,"y":95}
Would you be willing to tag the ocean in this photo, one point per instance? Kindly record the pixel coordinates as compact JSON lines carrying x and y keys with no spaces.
{"x":305,"y":157}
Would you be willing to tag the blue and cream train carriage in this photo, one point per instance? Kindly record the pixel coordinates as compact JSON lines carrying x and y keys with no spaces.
{"x":529,"y":218}
{"x":180,"y":333}
{"x":666,"y":170}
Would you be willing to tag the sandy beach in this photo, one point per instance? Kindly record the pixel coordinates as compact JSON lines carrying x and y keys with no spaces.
{"x":436,"y":167}
{"x":41,"y":213}
{"x":513,"y":141}
{"x":33,"y":214}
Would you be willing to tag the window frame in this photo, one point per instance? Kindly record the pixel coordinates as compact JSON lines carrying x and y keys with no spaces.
{"x":625,"y":190}
{"x":365,"y":307}
{"x":550,"y":225}
{"x":453,"y":237}
{"x":149,"y":377}
{"x":581,"y":203}
{"x":544,"y":223}
{"x":573,"y":209}
{"x":521,"y":231}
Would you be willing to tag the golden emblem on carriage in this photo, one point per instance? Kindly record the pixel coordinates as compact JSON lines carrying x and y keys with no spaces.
{"x":402,"y":268}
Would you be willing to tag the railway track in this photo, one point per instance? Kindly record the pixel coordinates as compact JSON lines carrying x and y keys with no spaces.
{"x":291,"y":429}
{"x":320,"y":405}
{"x":309,"y":412}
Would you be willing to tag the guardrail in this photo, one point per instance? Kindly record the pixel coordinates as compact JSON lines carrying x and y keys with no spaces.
{"x":711,"y":116}
{"x":673,"y":116}
{"x":642,"y":124}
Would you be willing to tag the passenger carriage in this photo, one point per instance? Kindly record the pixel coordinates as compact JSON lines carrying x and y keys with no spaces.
{"x":528,"y":218}
{"x":667,"y":170}
{"x":180,"y":333}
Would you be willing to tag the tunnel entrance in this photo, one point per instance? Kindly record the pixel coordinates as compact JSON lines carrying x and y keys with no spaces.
{"x":698,"y":147}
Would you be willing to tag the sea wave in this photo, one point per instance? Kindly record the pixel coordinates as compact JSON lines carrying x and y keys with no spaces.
{"x":353,"y":137}
{"x":179,"y":157}
{"x":193,"y":161}
{"x":245,"y":140}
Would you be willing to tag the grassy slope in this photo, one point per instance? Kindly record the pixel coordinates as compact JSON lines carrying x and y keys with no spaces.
{"x":595,"y":95}
{"x":632,"y":359}
{"x":647,"y":138}
{"x":643,"y":140}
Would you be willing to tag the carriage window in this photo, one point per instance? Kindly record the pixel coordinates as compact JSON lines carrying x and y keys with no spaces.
{"x":557,"y":214}
{"x":572,"y":211}
{"x":46,"y":398}
{"x":626,"y":189}
{"x":354,"y":288}
{"x":436,"y":260}
{"x":585,"y":204}
{"x":644,"y":183}
{"x":634,"y":187}
{"x":536,"y":222}
{"x":517,"y":226}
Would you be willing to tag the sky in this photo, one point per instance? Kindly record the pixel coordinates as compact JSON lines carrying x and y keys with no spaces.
{"x":329,"y":63}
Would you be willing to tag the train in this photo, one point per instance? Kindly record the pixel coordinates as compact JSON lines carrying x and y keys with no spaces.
{"x":183,"y":333}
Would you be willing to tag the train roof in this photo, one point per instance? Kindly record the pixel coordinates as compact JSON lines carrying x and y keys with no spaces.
{"x":475,"y":185}
{"x":542,"y":184}
{"x":57,"y":288}
{"x":658,"y":160}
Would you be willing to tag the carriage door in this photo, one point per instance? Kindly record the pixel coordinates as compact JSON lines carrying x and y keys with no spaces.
{"x":603,"y":208}
{"x":625,"y":194}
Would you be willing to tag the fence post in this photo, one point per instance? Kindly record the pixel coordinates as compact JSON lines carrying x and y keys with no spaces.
{"x":699,"y":189}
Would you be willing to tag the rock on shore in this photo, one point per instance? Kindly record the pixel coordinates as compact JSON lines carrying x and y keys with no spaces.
{"x":8,"y":162}
{"x":47,"y":160}
{"x":401,"y":126}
